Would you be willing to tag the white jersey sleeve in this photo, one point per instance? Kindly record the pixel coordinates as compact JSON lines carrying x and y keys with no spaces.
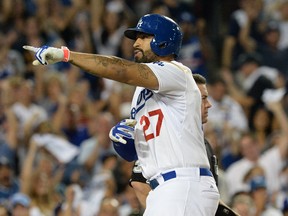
{"x":168,"y":133}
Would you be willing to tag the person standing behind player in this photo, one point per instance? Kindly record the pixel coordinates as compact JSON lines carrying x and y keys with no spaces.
{"x":166,"y":112}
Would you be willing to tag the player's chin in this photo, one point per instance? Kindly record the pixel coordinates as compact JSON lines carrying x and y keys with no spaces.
{"x":141,"y":59}
{"x":204,"y":119}
{"x":138,"y":57}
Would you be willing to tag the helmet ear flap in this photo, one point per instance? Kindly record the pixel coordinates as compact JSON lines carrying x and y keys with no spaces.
{"x":162,"y":45}
{"x":158,"y":46}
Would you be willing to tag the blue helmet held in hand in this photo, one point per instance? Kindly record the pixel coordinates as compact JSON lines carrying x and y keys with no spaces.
{"x":167,"y":33}
{"x":122,"y":137}
{"x":126,"y":151}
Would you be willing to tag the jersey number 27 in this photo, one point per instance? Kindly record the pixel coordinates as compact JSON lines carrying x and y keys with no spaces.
{"x":145,"y":123}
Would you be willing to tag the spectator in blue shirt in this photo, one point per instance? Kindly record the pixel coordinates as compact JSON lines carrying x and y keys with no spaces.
{"x":8,"y":184}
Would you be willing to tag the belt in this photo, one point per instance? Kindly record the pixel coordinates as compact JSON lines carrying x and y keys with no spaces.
{"x":154,"y":183}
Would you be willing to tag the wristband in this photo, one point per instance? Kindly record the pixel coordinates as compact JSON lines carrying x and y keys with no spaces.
{"x":66,"y":53}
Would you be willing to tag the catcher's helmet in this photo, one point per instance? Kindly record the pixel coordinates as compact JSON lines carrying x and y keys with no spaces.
{"x":167,"y":34}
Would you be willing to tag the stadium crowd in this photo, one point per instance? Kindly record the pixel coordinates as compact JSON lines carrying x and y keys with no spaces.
{"x":56,"y":157}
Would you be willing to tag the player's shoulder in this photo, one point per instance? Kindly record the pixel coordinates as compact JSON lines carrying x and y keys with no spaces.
{"x":172,"y":65}
{"x":158,"y":64}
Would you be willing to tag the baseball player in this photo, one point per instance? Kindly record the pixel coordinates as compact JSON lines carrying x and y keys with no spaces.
{"x":139,"y":183}
{"x":165,"y":115}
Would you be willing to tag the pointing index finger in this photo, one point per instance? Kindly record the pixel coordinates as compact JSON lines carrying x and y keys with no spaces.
{"x":30,"y":48}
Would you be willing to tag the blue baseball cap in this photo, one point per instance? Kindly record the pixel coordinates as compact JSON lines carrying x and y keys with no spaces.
{"x":4,"y":161}
{"x":258,"y":182}
{"x":272,"y":26}
{"x":187,"y":18}
{"x":20,"y":199}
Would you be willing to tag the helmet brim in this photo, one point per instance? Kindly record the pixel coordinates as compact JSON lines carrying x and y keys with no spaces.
{"x":131,"y":33}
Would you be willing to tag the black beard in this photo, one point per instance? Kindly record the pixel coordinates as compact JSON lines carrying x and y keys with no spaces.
{"x":146,"y":59}
{"x":142,"y":60}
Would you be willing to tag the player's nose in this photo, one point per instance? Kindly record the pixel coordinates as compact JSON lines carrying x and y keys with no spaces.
{"x":136,"y":43}
{"x":209,"y":104}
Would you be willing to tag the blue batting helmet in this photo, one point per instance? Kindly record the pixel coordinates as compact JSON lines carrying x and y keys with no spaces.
{"x":167,"y":34}
{"x":126,"y":151}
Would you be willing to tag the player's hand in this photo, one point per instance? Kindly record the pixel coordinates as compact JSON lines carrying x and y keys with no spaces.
{"x":49,"y":55}
{"x":122,"y":131}
{"x":122,"y":136}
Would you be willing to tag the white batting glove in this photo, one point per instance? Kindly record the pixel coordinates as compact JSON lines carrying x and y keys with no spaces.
{"x":123,"y":131}
{"x":49,"y":55}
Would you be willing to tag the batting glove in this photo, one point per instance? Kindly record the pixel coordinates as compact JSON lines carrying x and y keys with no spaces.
{"x":122,"y":131}
{"x":122,"y":136}
{"x":49,"y":55}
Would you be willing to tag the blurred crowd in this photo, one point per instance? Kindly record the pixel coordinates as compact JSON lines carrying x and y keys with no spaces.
{"x":56,"y":157}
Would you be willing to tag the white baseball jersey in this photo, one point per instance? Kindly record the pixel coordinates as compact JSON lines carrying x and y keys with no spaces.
{"x":168,"y":133}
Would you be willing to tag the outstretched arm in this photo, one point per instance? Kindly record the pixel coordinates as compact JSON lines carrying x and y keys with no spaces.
{"x":109,"y":67}
{"x":115,"y":68}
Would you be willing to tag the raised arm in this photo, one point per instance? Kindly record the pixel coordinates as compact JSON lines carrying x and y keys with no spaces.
{"x":281,"y":117}
{"x":27,"y":168}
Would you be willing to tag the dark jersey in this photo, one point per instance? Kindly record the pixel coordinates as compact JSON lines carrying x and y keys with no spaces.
{"x":212,"y":160}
